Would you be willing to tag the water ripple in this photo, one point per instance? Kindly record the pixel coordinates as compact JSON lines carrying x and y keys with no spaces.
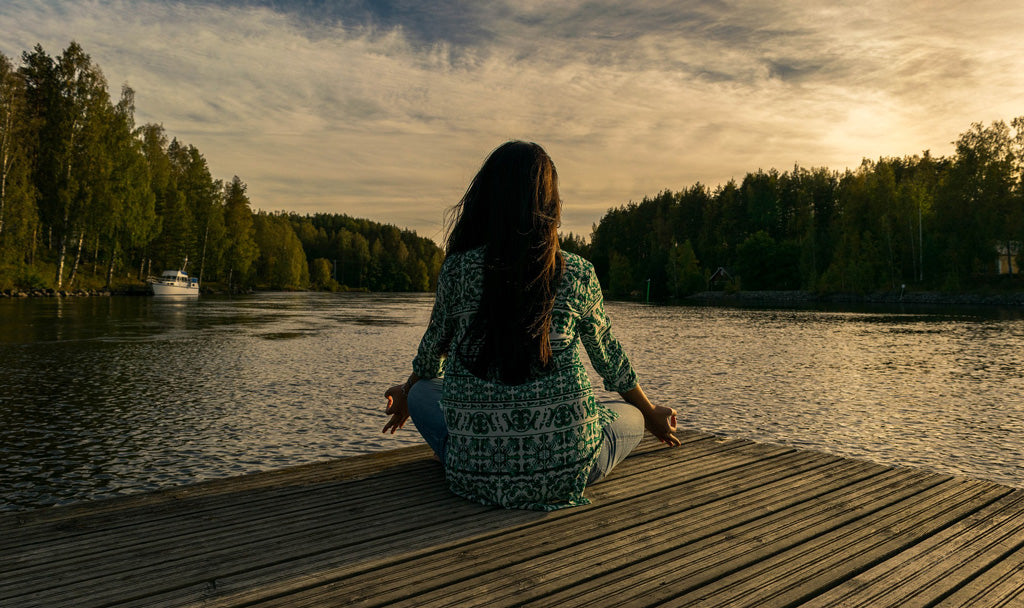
{"x":103,"y":397}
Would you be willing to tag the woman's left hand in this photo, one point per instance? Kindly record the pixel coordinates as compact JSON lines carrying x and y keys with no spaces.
{"x":398,"y":407}
{"x":661,"y":422}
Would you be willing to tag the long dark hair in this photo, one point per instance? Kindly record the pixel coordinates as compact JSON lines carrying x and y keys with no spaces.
{"x":512,"y":209}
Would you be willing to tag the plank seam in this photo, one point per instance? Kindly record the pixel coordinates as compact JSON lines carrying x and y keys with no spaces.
{"x":895,"y":551}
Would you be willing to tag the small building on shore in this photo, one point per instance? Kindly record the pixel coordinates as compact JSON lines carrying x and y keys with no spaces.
{"x":719,"y":279}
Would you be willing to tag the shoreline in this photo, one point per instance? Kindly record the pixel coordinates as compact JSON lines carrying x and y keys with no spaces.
{"x":805,"y":297}
{"x":720,"y":298}
{"x":133,"y":291}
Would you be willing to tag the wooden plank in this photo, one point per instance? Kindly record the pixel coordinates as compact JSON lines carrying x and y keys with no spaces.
{"x":172,"y":561}
{"x":373,"y":549}
{"x":211,"y":521}
{"x":961,"y":561}
{"x":542,"y":579}
{"x":377,"y":547}
{"x":637,"y":519}
{"x":715,"y":522}
{"x":801,"y":571}
{"x":152,"y":569}
{"x":701,"y":551}
{"x":199,"y":512}
{"x":235,"y":539}
{"x":351,"y":467}
{"x":1001,"y":585}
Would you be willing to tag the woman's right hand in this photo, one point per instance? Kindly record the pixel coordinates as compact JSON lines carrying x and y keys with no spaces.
{"x":661,"y":422}
{"x":398,"y":407}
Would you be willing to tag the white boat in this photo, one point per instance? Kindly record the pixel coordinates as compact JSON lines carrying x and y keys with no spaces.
{"x":175,"y":283}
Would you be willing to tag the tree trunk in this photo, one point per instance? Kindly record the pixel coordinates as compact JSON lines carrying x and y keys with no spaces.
{"x":1009,"y":258}
{"x":96,"y":255}
{"x":61,"y":250}
{"x":3,"y":188}
{"x":78,"y":258}
{"x":110,"y":266}
{"x":5,"y":165}
{"x":202,"y":256}
{"x":913,"y":247}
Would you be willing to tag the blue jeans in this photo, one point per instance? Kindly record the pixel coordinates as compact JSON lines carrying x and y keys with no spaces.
{"x":620,"y":437}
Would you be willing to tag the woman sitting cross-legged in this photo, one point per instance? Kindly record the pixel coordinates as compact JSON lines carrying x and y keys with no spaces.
{"x":498,"y":387}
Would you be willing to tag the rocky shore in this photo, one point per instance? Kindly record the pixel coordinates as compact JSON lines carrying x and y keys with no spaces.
{"x":768,"y":298}
{"x":74,"y":293}
{"x":133,"y":290}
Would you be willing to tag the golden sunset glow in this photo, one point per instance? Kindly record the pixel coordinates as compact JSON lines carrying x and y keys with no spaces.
{"x":385,"y":112}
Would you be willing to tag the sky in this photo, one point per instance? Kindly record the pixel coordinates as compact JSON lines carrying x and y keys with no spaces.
{"x":386,"y":109}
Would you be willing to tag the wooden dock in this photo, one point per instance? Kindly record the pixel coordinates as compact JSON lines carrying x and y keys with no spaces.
{"x":716,"y":522}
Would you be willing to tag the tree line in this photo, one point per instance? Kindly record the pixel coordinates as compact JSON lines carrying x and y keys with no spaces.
{"x":87,"y":197}
{"x":921,"y":221}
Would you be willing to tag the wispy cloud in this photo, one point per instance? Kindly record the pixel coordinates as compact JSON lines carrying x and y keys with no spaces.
{"x":385,"y":109}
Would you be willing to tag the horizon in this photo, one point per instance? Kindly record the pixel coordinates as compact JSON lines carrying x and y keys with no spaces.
{"x":385,"y":110}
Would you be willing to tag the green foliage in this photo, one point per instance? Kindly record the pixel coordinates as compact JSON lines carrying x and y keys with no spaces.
{"x":621,"y":280}
{"x":920,"y":220}
{"x":684,"y":273}
{"x":18,"y":220}
{"x":82,"y":187}
{"x":761,"y":263}
{"x":321,"y":275}
{"x":369,"y":255}
{"x":31,"y":279}
{"x":241,"y":249}
{"x":574,"y":244}
{"x":71,"y":111}
{"x":281,"y":262}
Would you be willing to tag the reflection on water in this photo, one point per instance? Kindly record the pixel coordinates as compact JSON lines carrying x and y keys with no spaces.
{"x":939,"y":391}
{"x":104,"y":396}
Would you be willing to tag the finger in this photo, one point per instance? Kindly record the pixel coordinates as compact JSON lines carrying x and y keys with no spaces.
{"x":392,"y":425}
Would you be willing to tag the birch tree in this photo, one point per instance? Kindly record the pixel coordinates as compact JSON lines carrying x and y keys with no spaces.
{"x":17,"y":197}
{"x":66,"y":97}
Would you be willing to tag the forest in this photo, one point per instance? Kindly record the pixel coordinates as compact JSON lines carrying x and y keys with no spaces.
{"x":90,"y":200}
{"x":921,"y":222}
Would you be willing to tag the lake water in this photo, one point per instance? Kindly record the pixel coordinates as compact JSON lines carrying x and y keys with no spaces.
{"x":108,"y":396}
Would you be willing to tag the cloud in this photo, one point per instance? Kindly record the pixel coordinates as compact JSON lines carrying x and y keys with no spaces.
{"x":386,"y":109}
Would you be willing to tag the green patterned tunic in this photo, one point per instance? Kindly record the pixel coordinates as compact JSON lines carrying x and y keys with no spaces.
{"x":530,"y":445}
